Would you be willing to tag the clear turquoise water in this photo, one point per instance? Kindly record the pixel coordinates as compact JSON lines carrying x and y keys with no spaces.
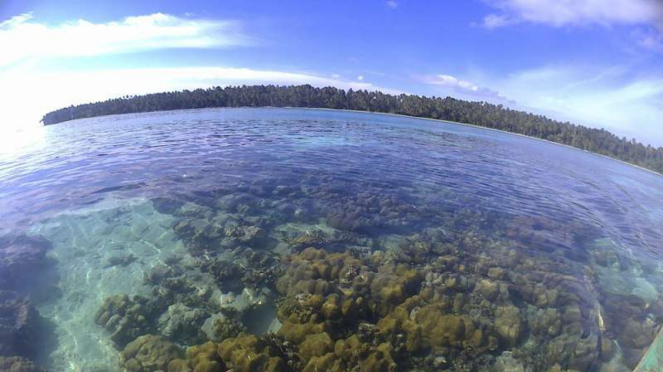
{"x":552,"y":253}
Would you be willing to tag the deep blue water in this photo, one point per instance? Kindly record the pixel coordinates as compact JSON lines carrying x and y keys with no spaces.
{"x":591,"y":220}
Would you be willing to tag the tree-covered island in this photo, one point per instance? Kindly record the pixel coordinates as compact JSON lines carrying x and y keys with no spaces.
{"x":482,"y":114}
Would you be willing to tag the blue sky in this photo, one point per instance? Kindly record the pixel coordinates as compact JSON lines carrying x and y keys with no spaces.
{"x":592,"y":62}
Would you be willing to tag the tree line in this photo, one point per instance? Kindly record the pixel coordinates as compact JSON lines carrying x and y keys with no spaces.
{"x":478,"y":113}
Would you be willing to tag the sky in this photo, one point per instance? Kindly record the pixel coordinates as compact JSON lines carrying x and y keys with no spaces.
{"x":597,"y":63}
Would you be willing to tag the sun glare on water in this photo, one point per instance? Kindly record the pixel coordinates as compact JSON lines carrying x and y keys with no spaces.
{"x":15,"y":138}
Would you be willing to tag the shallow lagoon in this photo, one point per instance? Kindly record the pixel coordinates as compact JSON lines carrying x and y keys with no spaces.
{"x":303,"y":240}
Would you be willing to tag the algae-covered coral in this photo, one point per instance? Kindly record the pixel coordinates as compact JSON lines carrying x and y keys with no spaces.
{"x":374,"y":284}
{"x":270,"y":278}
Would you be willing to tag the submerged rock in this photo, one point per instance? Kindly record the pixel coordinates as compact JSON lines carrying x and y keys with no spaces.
{"x":122,"y":260}
{"x":18,"y":364}
{"x":507,"y":363}
{"x":19,"y":326}
{"x":219,"y":327}
{"x":182,"y":324}
{"x":167,"y":205}
{"x":21,"y":258}
{"x":508,"y":325}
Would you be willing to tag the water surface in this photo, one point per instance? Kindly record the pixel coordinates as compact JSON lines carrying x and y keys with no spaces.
{"x":388,"y":243}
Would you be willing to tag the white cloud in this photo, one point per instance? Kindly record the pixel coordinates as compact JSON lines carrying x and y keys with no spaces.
{"x":590,"y":95}
{"x":21,"y":37}
{"x":33,"y":93}
{"x":450,"y":81}
{"x":360,"y":77}
{"x":392,"y":4}
{"x":595,"y":96}
{"x":559,"y":13}
{"x":462,"y":86}
{"x":33,"y":89}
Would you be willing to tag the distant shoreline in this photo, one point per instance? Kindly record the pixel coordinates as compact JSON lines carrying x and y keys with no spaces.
{"x":388,"y":114}
{"x":468,"y":125}
{"x":476,"y":114}
{"x":474,"y":126}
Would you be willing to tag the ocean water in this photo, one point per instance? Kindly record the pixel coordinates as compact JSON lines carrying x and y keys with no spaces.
{"x":304,"y":240}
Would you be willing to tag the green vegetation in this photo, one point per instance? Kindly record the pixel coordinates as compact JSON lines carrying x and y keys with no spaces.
{"x":483,"y":114}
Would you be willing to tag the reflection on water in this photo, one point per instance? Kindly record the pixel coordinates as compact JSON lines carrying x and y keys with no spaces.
{"x":303,"y":240}
{"x":13,"y":141}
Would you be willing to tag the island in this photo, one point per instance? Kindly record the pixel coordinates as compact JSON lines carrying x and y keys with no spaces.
{"x":484,"y":114}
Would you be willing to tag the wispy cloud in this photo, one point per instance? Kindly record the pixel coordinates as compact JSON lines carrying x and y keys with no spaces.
{"x":649,"y":38}
{"x":496,"y":20}
{"x":462,"y":86}
{"x":559,"y":13}
{"x":23,"y":37}
{"x":608,"y":97}
{"x":392,"y":4}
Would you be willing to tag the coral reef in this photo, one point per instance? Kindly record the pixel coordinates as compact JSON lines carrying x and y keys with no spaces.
{"x":241,"y":267}
{"x":248,"y":353}
{"x":18,"y":364}
{"x":183,"y":288}
{"x":200,"y":358}
{"x":221,"y":230}
{"x":392,"y":285}
{"x":429,"y":326}
{"x":377,"y":283}
{"x":335,"y":292}
{"x":125,"y":318}
{"x":148,"y":353}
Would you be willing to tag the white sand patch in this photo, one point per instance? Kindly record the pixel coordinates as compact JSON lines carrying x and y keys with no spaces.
{"x":83,"y":244}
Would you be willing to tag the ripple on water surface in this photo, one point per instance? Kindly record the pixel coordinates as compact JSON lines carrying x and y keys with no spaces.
{"x":304,"y":240}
